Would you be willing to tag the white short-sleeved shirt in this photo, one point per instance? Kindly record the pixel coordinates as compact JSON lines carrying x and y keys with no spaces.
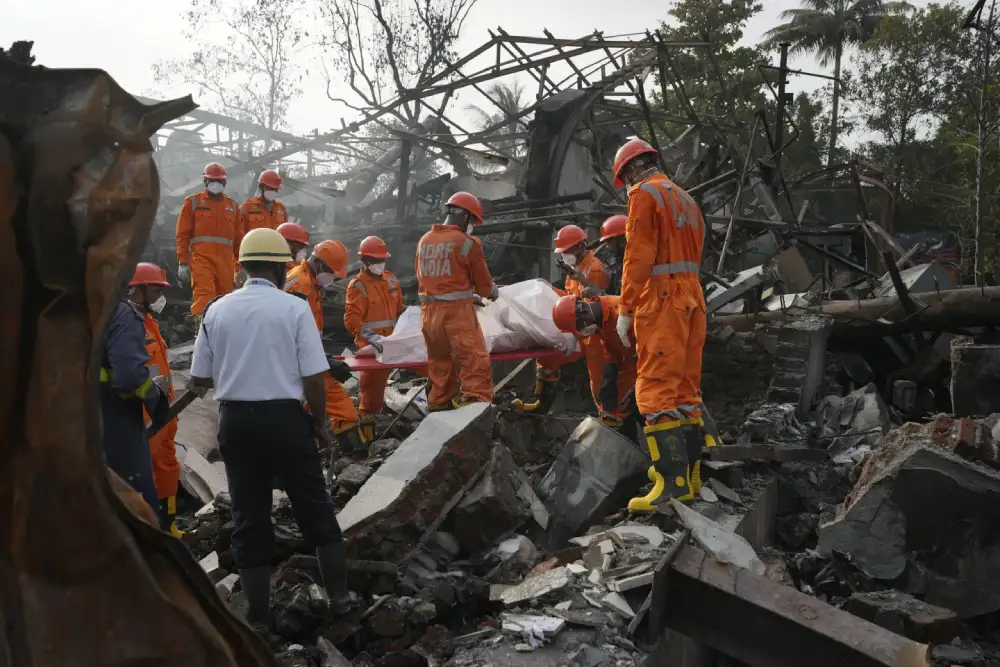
{"x":257,"y":344}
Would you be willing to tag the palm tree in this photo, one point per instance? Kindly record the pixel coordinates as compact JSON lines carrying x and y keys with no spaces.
{"x":508,"y":103}
{"x":825,"y":28}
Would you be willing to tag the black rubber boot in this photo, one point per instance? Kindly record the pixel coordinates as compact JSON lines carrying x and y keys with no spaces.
{"x":333,"y":566}
{"x":256,"y":582}
{"x":350,"y":442}
{"x":545,"y":396}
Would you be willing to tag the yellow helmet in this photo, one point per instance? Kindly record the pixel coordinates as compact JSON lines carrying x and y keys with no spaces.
{"x":264,"y":245}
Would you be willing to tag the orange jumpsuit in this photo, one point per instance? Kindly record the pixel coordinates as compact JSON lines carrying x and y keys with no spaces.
{"x":665,"y":234}
{"x":166,"y":469}
{"x":373,"y":303}
{"x":451,"y":271}
{"x":619,"y":371}
{"x":547,"y":368}
{"x":206,"y":241}
{"x":255,"y":214}
{"x":339,"y":407}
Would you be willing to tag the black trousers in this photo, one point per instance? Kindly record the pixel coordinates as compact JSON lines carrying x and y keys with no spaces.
{"x":260,"y":441}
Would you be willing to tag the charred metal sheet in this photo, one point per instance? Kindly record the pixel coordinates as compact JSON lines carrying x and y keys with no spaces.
{"x":78,"y":192}
{"x":767,"y":624}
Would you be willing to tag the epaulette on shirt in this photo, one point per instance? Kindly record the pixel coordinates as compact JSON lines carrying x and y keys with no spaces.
{"x":300,"y":295}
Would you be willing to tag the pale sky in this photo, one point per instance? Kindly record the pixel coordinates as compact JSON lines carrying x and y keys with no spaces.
{"x":125,"y":37}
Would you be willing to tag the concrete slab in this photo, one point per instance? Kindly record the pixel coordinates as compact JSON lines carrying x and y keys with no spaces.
{"x":419,"y":484}
{"x":200,"y":478}
{"x":198,"y":425}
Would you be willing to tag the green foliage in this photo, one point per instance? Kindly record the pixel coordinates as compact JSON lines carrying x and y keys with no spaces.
{"x":740,"y":92}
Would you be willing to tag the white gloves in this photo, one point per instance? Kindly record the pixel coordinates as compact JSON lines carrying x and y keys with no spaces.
{"x":184,"y":273}
{"x":375,"y":341}
{"x":623,"y":326}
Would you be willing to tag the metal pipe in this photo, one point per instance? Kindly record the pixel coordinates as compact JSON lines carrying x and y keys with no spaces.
{"x":739,"y":197}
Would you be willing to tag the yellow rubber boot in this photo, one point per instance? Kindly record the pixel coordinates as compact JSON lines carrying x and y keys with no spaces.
{"x":168,"y":506}
{"x":366,"y":428}
{"x":670,"y":472}
{"x":349,"y":438}
{"x":545,"y":393}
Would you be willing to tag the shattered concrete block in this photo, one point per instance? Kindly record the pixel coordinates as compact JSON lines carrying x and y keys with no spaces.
{"x":419,"y":484}
{"x":533,"y":587}
{"x":725,"y":546}
{"x":517,"y":624}
{"x":975,"y":378}
{"x":774,"y":422}
{"x":906,"y":503}
{"x":354,"y":476}
{"x":519,"y":549}
{"x":595,"y":473}
{"x":226,"y":586}
{"x":851,"y":423}
{"x":210,"y":564}
{"x":905,"y":615}
{"x":202,"y":479}
{"x":492,"y":509}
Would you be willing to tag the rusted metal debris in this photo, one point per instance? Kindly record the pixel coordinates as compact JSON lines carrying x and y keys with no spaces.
{"x":78,"y":192}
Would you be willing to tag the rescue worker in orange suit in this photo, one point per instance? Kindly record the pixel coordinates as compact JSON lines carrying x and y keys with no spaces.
{"x":263,"y":209}
{"x":586,"y":277}
{"x":598,"y":319}
{"x":146,"y":295}
{"x":374,"y":302}
{"x":661,"y":290}
{"x":297,"y":237}
{"x":311,"y":278}
{"x":451,"y":272}
{"x":206,"y":236}
{"x":613,"y":238}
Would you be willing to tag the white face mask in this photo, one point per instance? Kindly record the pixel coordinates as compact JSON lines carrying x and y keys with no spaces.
{"x":568,"y":259}
{"x":158,"y":305}
{"x":270,"y":195}
{"x":588,"y":330}
{"x":469,"y":227}
{"x":215,"y":187}
{"x":377,"y":269}
{"x":301,"y":255}
{"x":326,"y":280}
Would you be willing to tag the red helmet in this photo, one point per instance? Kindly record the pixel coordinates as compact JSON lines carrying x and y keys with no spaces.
{"x":270,"y":179}
{"x":630,"y":151}
{"x":613,"y":227}
{"x":293,"y":231}
{"x":373,"y":246}
{"x":469,"y":203}
{"x":214,"y":171}
{"x":569,"y":236}
{"x":334,"y":254}
{"x":147,"y":273}
{"x":564,"y":313}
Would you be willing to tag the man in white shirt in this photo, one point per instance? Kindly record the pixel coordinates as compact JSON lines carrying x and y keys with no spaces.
{"x":260,"y":348}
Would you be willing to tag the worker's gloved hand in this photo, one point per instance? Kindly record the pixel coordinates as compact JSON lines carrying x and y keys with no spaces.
{"x":478,"y":301}
{"x":184,"y":273}
{"x":375,"y":341}
{"x":163,"y":382}
{"x":623,"y":326}
{"x":324,"y":435}
{"x":591,"y":292}
{"x":340,"y":370}
{"x":495,"y":294}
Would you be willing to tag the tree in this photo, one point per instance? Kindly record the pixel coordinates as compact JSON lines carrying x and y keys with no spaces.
{"x":244,"y":57}
{"x":826,"y":28}
{"x":509,"y":100}
{"x":738,"y":94}
{"x":384,"y":49}
{"x":898,"y":82}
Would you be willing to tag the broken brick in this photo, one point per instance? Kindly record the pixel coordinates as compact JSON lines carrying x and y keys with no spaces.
{"x":905,"y":615}
{"x":491,"y":510}
{"x":419,"y":484}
